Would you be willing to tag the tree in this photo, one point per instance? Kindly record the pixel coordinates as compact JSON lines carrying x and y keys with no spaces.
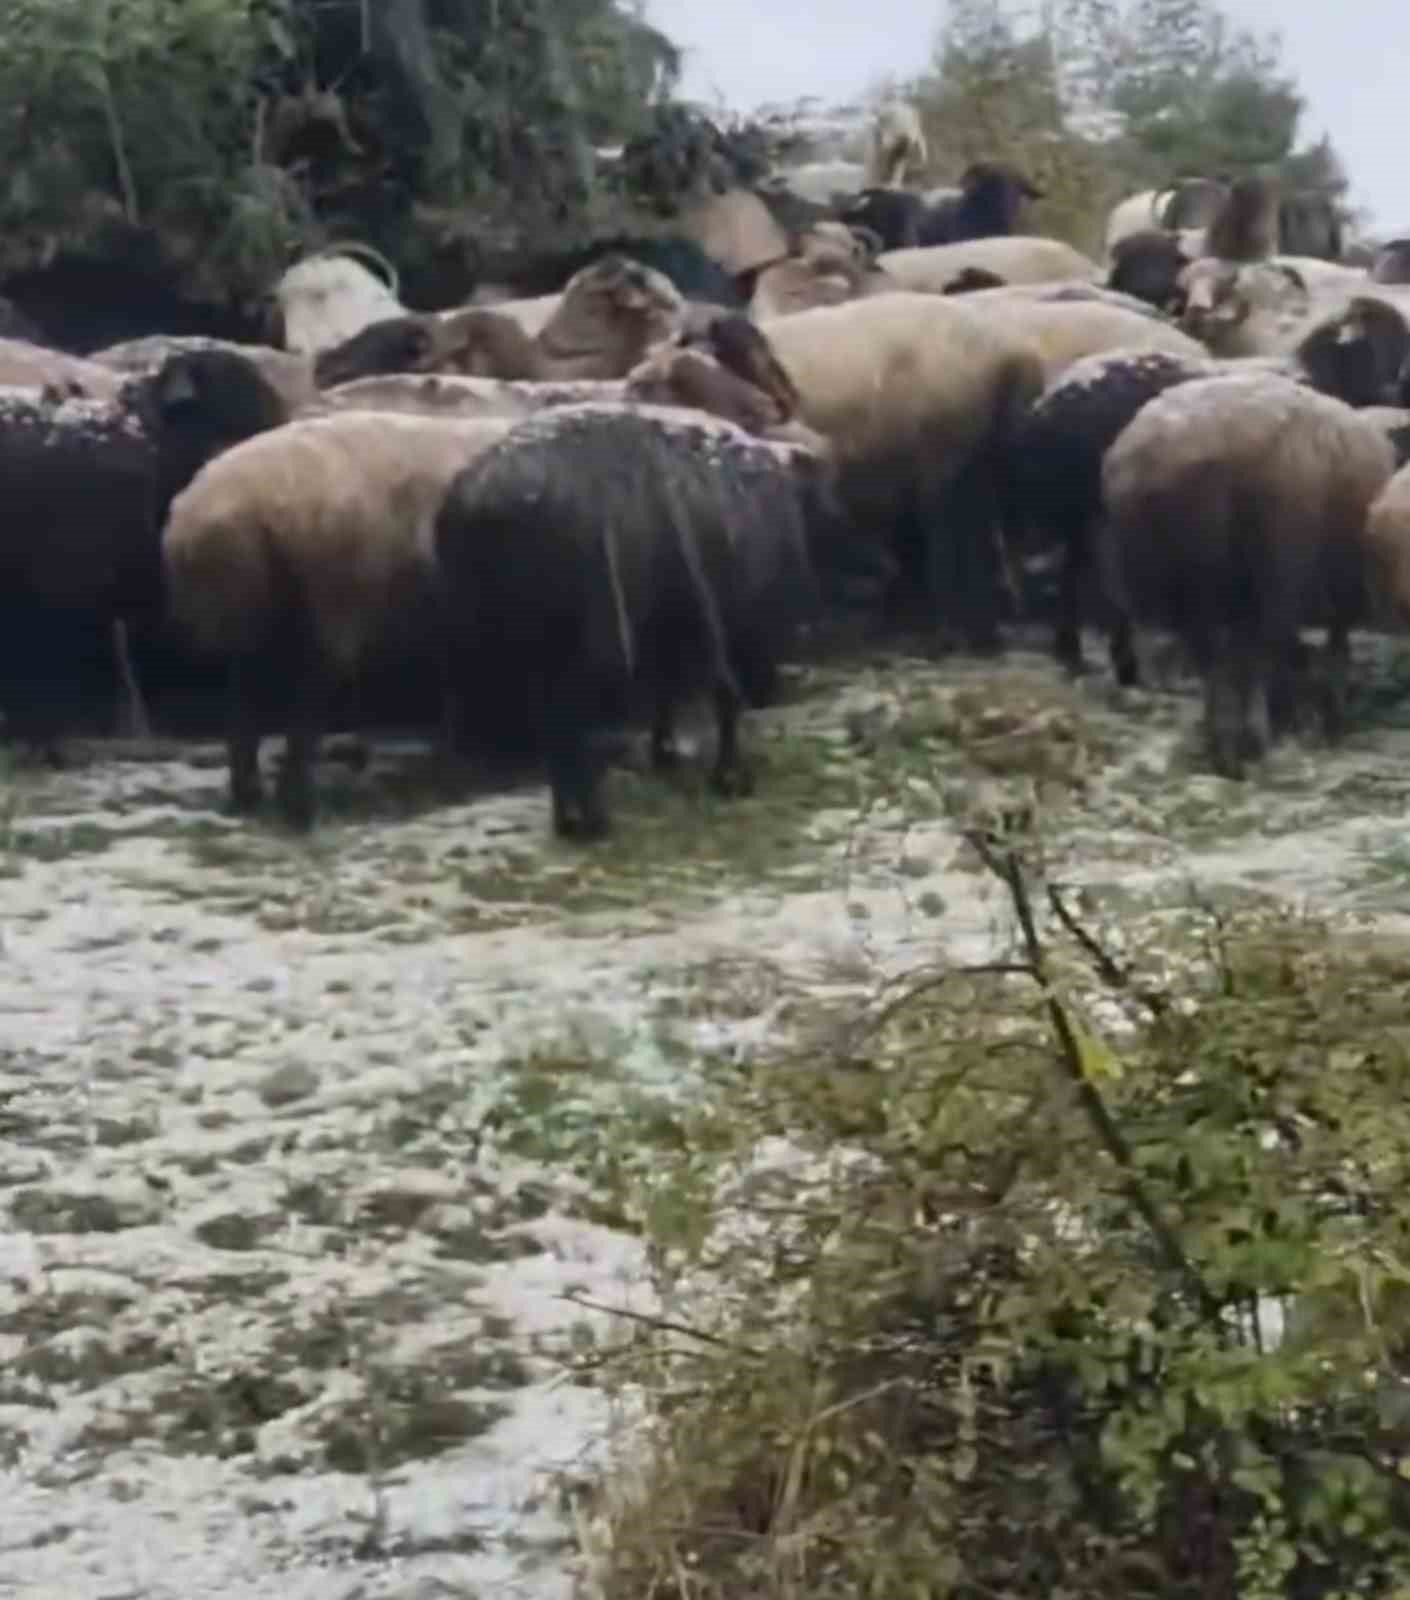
{"x":237,"y":131}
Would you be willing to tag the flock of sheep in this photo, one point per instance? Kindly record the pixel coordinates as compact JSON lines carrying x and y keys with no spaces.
{"x":649,"y":483}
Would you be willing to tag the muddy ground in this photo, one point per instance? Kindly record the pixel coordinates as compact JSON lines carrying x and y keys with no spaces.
{"x":309,"y":1150}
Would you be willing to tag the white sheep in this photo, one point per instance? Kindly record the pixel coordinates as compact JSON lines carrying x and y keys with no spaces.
{"x":328,"y":297}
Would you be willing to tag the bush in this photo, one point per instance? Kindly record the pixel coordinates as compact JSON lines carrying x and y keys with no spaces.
{"x":1026,"y":1312}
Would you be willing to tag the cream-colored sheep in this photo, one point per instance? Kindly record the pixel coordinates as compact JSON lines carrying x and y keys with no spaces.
{"x":1234,"y":514}
{"x":1014,"y":257}
{"x":304,"y":553}
{"x":440,"y":395}
{"x":1388,"y":545}
{"x":917,"y":396}
{"x":33,"y":366}
{"x":1063,"y":331}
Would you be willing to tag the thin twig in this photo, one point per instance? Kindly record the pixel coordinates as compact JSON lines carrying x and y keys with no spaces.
{"x":1108,"y":969}
{"x":1006,"y":867}
{"x":662,"y":1324}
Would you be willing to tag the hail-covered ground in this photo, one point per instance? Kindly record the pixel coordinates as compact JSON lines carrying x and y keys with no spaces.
{"x":313,"y":1154}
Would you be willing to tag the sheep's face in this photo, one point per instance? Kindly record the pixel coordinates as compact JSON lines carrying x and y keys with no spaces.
{"x":742,"y":348}
{"x":1215,"y":301}
{"x":675,"y":377}
{"x":618,"y":301}
{"x":1358,"y":354}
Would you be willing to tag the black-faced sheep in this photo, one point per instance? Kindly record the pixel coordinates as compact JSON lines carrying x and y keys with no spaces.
{"x":305,"y":554}
{"x":1234,"y":513}
{"x":600,"y":551}
{"x":988,"y":203}
{"x":1148,"y":265}
{"x":1016,"y":258}
{"x":88,"y":483}
{"x":291,"y":376}
{"x":918,"y":397}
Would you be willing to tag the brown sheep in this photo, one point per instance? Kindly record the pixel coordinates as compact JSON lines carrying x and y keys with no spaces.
{"x":1234,"y":514}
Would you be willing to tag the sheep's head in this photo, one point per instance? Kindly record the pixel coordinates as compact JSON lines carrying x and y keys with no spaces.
{"x":1392,"y":262}
{"x":1358,"y":354}
{"x":826,"y":277}
{"x":673,"y":376}
{"x":1148,"y":265}
{"x":200,"y":402}
{"x":742,"y":347}
{"x":612,"y":312}
{"x":400,"y":344}
{"x":1215,"y":300}
{"x":326,"y":299}
{"x":972,"y":278}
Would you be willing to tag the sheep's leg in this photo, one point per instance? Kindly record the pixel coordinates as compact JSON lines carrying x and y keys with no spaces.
{"x":731,"y":774}
{"x":966,"y":551}
{"x":574,"y":775}
{"x":1068,"y":640}
{"x":297,"y":802}
{"x":665,"y":753}
{"x":134,"y":722}
{"x":1336,"y":687}
{"x":242,"y":738}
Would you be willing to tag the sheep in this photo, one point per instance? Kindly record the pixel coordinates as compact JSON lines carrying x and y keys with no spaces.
{"x":1190,"y":204}
{"x":895,"y":144}
{"x":1017,"y":258}
{"x":821,"y":277}
{"x":1062,"y":331}
{"x":1057,"y":462}
{"x":31,"y":366}
{"x":987,"y":203}
{"x":330,"y":296}
{"x":696,"y":275}
{"x":88,"y":483}
{"x":1388,"y":548}
{"x":1264,"y":308}
{"x":1357,"y":352}
{"x":1310,"y":225}
{"x":1234,"y":508}
{"x":307,"y":550}
{"x":602,"y":549}
{"x":1391,"y":263}
{"x":820,"y":182}
{"x":291,"y":376}
{"x":736,"y":229}
{"x":531,"y":314}
{"x":918,"y":397}
{"x":1148,"y":263}
{"x":1245,"y":228}
{"x":441,"y":395}
{"x":610,"y":314}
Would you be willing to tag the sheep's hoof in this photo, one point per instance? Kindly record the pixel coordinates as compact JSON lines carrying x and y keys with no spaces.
{"x":732,"y":782}
{"x":244,"y":802}
{"x":581,"y":830}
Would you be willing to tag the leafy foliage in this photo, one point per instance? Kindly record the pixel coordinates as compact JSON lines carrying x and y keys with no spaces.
{"x":237,"y":131}
{"x":1031,"y":1310}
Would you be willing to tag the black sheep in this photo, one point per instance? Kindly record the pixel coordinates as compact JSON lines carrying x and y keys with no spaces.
{"x":601,"y":549}
{"x":990,"y":202}
{"x":1057,"y":471}
{"x":87,"y":485}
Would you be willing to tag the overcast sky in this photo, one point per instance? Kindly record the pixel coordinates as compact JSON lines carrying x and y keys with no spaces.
{"x":1350,"y":57}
